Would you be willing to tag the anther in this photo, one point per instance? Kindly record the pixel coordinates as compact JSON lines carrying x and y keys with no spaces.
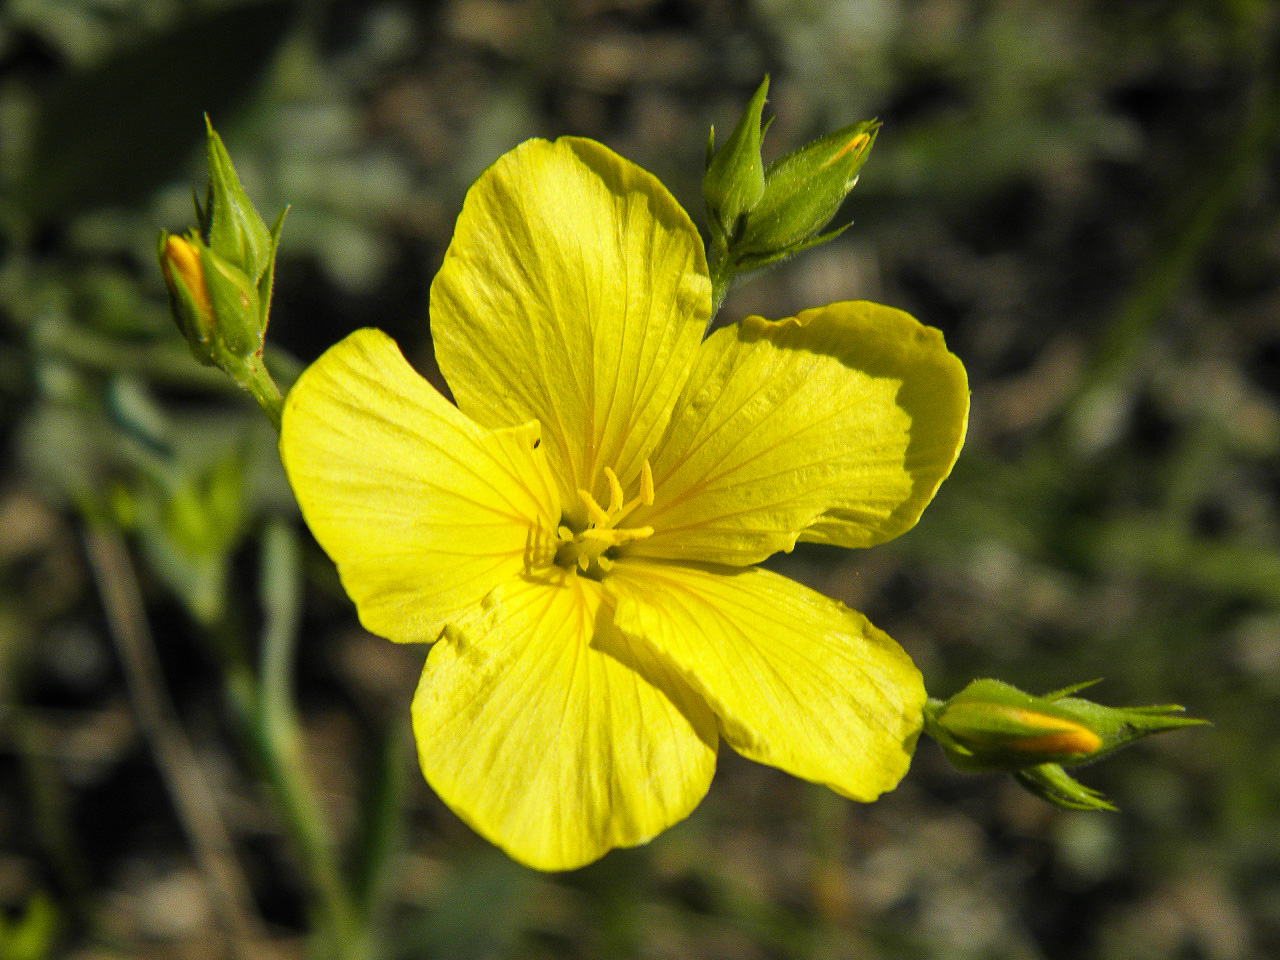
{"x":585,"y":549}
{"x":615,"y":491}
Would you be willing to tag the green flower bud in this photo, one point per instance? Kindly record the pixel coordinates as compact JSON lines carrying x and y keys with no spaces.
{"x":802,"y":192}
{"x":216,"y":306}
{"x":758,"y":217}
{"x":229,"y":223}
{"x":235,"y":301}
{"x":734,"y":181}
{"x":182,"y":264}
{"x":220,"y":277}
{"x":992,"y":726}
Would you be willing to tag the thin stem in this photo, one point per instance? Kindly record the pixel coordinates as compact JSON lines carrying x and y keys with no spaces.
{"x":166,"y":362}
{"x":931,"y":729}
{"x":383,"y":830}
{"x":274,"y":729}
{"x":255,"y":378}
{"x":275,"y":743}
{"x":720,"y":267}
{"x":266,"y":708}
{"x":282,"y":607}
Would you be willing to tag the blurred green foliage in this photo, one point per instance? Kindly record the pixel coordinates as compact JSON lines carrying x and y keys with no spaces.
{"x":1082,"y":195}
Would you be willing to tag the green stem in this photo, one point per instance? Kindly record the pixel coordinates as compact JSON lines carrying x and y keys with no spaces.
{"x":267,"y":706}
{"x":275,"y":742}
{"x":253,"y":376}
{"x":720,"y":267}
{"x":382,"y":834}
{"x":931,"y":728}
{"x":263,"y":708}
{"x":210,"y":840}
{"x":166,"y":362}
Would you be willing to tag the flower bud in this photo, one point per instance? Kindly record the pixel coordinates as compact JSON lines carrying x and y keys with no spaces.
{"x":802,"y":192}
{"x":734,"y":181}
{"x":182,"y":265}
{"x":758,"y":217}
{"x":993,"y":726}
{"x":216,"y":306}
{"x":228,"y":220}
{"x":220,"y":277}
{"x":235,"y":304}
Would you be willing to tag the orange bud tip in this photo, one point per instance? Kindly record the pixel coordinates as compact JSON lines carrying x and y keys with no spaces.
{"x":1080,"y":741}
{"x":855,"y":146}
{"x":1061,"y":735}
{"x":181,"y":260}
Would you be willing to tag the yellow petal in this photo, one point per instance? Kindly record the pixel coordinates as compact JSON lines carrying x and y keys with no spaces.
{"x":835,"y":426}
{"x":549,"y":747}
{"x":422,"y":511}
{"x":799,"y":682}
{"x":574,"y":293}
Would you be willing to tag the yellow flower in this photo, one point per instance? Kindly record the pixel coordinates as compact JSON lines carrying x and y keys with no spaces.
{"x":577,"y":535}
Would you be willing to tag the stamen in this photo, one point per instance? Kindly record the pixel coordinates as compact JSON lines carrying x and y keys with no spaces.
{"x":585,"y":549}
{"x":598,"y":515}
{"x":615,"y":491}
{"x":613,"y":536}
{"x":643,"y":499}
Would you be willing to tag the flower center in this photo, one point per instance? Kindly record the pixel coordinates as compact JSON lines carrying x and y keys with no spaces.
{"x":591,"y":549}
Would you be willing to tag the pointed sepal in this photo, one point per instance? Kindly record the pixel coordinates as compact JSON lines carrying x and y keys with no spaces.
{"x":734,"y":181}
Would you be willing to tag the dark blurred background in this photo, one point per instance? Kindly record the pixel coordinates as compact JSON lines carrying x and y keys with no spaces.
{"x":1081,"y":194}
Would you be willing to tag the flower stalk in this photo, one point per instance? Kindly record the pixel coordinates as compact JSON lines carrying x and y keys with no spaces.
{"x":220,"y":278}
{"x":262,"y":702}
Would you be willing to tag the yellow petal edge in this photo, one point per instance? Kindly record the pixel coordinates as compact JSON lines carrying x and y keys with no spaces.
{"x":574,"y":293}
{"x":422,"y":511}
{"x":549,"y":747}
{"x":797,"y":680}
{"x":835,"y":426}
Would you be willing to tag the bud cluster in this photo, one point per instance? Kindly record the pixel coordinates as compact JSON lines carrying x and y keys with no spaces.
{"x":220,"y":275}
{"x":758,"y":216}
